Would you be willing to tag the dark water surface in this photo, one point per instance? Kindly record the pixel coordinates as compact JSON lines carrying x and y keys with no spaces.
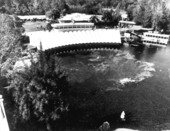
{"x":133,"y":80}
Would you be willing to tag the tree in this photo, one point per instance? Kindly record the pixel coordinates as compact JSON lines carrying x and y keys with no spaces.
{"x":130,"y":10}
{"x":111,"y":17}
{"x":10,"y":50}
{"x":92,"y":6}
{"x":59,"y":5}
{"x":49,"y":27}
{"x":107,"y":16}
{"x":47,"y":5}
{"x":162,"y":20}
{"x":152,"y":13}
{"x":94,"y":19}
{"x":53,"y":14}
{"x":10,"y":43}
{"x":147,"y":18}
{"x":41,"y":90}
{"x":139,"y":12}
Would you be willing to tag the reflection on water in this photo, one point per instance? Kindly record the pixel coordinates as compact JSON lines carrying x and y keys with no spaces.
{"x":138,"y":79}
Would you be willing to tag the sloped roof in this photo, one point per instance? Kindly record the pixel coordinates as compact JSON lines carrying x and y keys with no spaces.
{"x":56,"y":38}
{"x":77,"y":17}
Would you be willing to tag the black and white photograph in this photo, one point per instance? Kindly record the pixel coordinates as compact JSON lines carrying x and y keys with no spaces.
{"x":84,"y":65}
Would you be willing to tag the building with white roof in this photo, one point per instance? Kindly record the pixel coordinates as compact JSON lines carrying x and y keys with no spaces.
{"x":55,"y":38}
{"x":77,"y":17}
{"x":31,"y":17}
{"x":126,"y":24}
{"x":73,"y":26}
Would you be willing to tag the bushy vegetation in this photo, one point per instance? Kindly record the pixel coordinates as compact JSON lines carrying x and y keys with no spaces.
{"x":40,"y":91}
{"x":156,"y":16}
{"x":11,"y":47}
{"x":10,"y":41}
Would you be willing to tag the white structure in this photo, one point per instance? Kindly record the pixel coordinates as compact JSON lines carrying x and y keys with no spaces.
{"x":125,"y":129}
{"x":56,"y":38}
{"x":3,"y":119}
{"x":122,"y":116}
{"x":77,"y":17}
{"x":155,"y":39}
{"x":73,"y":26}
{"x":126,"y":24}
{"x":74,"y":22}
{"x":31,"y":17}
{"x":124,"y":15}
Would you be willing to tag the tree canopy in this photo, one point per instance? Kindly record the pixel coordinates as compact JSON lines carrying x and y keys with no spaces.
{"x":151,"y":14}
{"x":10,"y":41}
{"x":40,"y":91}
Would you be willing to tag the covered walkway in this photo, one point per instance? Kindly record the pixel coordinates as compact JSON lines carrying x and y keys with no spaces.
{"x":55,"y":38}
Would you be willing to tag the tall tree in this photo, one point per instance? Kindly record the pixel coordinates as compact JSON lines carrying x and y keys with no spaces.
{"x":163,"y":21}
{"x":40,"y":91}
{"x":10,"y":44}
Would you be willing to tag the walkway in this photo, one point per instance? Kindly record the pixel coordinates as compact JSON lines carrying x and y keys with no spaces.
{"x":55,"y":38}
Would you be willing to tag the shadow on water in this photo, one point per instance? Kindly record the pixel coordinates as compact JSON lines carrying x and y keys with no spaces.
{"x":142,"y":52}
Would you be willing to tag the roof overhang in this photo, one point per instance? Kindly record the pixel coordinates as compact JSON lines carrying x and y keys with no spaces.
{"x":56,"y":38}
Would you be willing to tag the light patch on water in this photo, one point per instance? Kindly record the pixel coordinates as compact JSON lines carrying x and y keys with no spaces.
{"x":126,"y":80}
{"x":125,"y":129}
{"x":146,"y":72}
{"x":102,"y":67}
{"x":117,"y":67}
{"x":94,"y":59}
{"x":124,"y":54}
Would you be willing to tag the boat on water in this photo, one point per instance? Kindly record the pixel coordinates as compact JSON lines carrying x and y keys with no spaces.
{"x":137,"y":35}
{"x":151,"y":39}
{"x":155,"y":39}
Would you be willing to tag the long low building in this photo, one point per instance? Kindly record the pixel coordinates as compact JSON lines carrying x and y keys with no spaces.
{"x":55,"y":38}
{"x":73,"y":26}
{"x":77,"y":17}
{"x":31,"y":17}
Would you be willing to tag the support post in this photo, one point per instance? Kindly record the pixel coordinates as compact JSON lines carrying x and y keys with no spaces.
{"x":3,"y":119}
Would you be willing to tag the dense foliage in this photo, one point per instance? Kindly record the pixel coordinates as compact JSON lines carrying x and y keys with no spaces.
{"x":23,"y":7}
{"x":156,"y":16}
{"x":40,"y":91}
{"x":10,"y":41}
{"x":11,"y":46}
{"x":149,"y":13}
